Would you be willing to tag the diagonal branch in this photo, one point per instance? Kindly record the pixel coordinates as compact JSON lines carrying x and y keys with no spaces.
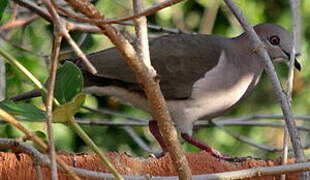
{"x":18,"y":22}
{"x":145,"y":12}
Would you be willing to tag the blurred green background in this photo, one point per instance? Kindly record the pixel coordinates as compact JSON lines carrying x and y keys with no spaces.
{"x":189,"y":15}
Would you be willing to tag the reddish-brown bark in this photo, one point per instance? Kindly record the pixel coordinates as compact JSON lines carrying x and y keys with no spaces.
{"x":20,"y":166}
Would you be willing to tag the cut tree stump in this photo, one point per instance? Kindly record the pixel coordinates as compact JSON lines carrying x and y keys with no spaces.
{"x":19,"y":166}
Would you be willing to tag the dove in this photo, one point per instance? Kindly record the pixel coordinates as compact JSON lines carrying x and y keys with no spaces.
{"x":201,"y":76}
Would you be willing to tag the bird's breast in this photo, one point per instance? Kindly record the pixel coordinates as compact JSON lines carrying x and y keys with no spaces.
{"x":220,"y":89}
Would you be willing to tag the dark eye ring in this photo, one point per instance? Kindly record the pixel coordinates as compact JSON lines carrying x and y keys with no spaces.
{"x":274,"y":40}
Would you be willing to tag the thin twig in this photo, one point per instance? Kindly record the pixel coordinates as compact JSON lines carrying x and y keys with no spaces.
{"x":296,"y":23}
{"x":75,"y":26}
{"x":114,"y":113}
{"x":282,"y":98}
{"x":162,"y":29}
{"x":244,"y":139}
{"x":22,"y":147}
{"x":62,"y":27}
{"x":50,"y":89}
{"x":102,"y":21}
{"x":21,"y":47}
{"x":209,"y":16}
{"x":136,"y":138}
{"x":90,"y":143}
{"x":18,"y":22}
{"x":34,"y":8}
{"x":142,"y":42}
{"x":21,"y":68}
{"x":197,"y":124}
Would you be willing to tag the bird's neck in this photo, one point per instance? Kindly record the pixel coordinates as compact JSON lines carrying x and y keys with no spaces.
{"x":243,"y":48}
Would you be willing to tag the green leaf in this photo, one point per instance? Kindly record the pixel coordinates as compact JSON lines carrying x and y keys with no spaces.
{"x":65,"y":112}
{"x":3,"y":5}
{"x":41,"y":134}
{"x":69,"y":82}
{"x":28,"y":111}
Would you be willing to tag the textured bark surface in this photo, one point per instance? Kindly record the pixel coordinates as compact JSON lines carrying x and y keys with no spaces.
{"x":20,"y":166}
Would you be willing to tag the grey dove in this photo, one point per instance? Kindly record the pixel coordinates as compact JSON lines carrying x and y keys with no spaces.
{"x":201,"y":76}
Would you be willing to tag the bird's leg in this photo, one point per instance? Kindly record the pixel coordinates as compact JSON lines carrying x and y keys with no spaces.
{"x":156,"y":133}
{"x":208,"y":149}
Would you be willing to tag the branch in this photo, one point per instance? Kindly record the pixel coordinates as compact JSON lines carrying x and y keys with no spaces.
{"x":294,"y":5}
{"x":21,"y":47}
{"x":18,"y":22}
{"x":51,"y":86}
{"x":102,"y":21}
{"x":209,"y":16}
{"x":62,"y":28}
{"x":75,"y":26}
{"x":140,"y":142}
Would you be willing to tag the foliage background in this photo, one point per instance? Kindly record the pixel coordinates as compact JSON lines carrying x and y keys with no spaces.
{"x":37,"y":38}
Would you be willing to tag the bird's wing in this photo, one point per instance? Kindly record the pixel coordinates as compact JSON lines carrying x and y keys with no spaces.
{"x":180,"y":60}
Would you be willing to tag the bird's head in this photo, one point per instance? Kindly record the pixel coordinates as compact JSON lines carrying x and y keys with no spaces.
{"x":278,"y":42}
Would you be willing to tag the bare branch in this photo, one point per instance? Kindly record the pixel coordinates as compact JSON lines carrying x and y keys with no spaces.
{"x":34,"y":8}
{"x":296,"y":23}
{"x":139,"y":141}
{"x":209,"y":16}
{"x":18,"y":22}
{"x":142,"y":42}
{"x":102,"y":21}
{"x":51,"y":86}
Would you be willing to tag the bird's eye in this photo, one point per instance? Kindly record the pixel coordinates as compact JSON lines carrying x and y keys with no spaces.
{"x":274,"y":40}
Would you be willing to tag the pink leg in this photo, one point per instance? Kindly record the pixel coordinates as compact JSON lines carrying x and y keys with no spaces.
{"x":155,"y":131}
{"x":208,"y":149}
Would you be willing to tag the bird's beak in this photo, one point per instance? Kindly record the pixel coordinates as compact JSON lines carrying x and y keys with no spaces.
{"x":296,"y":63}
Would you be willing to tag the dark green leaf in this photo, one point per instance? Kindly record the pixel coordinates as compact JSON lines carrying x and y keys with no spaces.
{"x":69,"y":82}
{"x":3,"y":5}
{"x":28,"y":111}
{"x":40,"y":134}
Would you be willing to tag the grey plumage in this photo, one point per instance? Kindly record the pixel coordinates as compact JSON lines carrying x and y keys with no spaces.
{"x":200,"y":75}
{"x":169,"y":56}
{"x":193,"y":80}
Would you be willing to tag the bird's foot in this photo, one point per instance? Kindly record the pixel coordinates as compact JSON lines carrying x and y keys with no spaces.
{"x":155,"y":131}
{"x":210,"y":150}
